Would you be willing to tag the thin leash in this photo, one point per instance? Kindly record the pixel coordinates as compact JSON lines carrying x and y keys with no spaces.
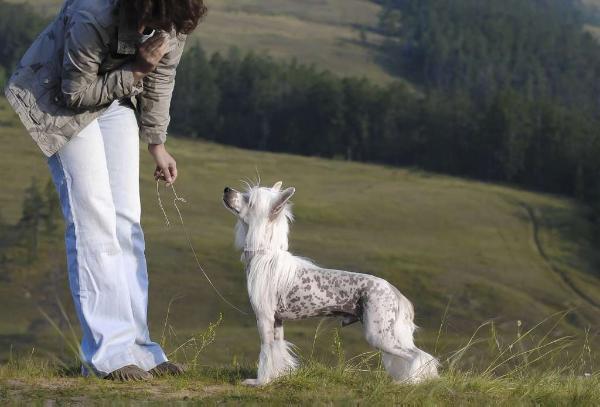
{"x":189,"y":241}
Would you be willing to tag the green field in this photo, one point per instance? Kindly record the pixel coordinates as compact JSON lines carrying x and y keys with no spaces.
{"x":465,"y":252}
{"x":477,"y":250}
{"x":322,"y":32}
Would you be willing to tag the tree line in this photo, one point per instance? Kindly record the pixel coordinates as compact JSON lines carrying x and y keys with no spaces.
{"x":537,"y":47}
{"x":529,"y":70}
{"x":503,"y":90}
{"x":257,"y":102}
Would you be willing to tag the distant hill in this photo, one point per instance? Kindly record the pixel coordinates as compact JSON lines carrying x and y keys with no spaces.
{"x":333,"y":34}
{"x":340,"y":35}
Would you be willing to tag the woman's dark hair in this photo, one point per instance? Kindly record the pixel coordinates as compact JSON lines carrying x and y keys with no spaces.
{"x":181,"y":15}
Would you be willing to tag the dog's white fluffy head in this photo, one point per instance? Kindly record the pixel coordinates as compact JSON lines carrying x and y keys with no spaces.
{"x":263,"y":216}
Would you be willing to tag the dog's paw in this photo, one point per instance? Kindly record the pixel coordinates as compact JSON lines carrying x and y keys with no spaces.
{"x":251,"y":382}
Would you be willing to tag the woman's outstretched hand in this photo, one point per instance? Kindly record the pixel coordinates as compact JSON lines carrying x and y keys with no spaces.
{"x":166,"y":167}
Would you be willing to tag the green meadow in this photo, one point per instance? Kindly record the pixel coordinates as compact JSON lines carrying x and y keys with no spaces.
{"x":504,"y":283}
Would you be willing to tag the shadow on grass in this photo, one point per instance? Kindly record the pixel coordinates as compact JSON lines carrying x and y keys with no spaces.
{"x":69,"y":371}
{"x":224,"y":374}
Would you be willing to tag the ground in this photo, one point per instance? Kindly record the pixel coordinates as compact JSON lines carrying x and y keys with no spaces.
{"x":314,"y":384}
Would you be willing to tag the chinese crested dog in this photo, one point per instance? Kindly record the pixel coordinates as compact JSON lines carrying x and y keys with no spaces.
{"x":284,"y":287}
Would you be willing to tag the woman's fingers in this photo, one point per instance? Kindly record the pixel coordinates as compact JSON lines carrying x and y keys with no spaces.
{"x":166,"y":166}
{"x":166,"y":175}
{"x":151,"y":50}
{"x":153,"y":42}
{"x":164,"y":47}
{"x":173,"y":168}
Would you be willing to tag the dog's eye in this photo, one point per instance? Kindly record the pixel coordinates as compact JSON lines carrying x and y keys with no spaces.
{"x":246,"y":198}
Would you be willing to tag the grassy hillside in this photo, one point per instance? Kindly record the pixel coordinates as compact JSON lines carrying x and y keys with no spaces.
{"x":465,"y":252}
{"x":324,"y":32}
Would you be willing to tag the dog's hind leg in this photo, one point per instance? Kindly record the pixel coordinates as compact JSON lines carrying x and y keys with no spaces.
{"x":388,"y":325}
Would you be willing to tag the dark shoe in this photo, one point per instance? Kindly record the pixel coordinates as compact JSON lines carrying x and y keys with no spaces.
{"x":167,"y":369}
{"x":129,"y":373}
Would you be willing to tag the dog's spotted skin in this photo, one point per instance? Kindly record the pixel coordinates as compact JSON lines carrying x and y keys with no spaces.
{"x":322,"y":292}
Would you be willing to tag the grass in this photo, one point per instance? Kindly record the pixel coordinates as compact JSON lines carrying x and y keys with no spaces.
{"x":333,"y":34}
{"x":359,"y":380}
{"x":312,"y":385}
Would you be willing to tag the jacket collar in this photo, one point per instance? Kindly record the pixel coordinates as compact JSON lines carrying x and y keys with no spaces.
{"x":128,"y":37}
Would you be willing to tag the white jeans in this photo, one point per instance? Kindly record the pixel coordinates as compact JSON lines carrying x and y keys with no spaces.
{"x":97,"y":177}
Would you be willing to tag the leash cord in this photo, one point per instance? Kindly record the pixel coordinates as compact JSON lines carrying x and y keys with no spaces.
{"x":189,"y":241}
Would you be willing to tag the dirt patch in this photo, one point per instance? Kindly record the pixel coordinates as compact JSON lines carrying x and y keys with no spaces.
{"x":82,"y":391}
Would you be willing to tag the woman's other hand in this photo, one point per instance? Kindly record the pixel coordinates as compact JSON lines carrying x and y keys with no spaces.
{"x":166,"y":167}
{"x":149,"y":55}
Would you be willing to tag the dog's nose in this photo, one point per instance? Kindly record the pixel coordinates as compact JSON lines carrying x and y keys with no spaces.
{"x":226,"y":190}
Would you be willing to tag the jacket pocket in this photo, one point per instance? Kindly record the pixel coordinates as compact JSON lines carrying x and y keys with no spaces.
{"x":42,"y":95}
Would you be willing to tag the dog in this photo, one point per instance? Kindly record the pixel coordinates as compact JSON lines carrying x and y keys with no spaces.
{"x":285,"y":287}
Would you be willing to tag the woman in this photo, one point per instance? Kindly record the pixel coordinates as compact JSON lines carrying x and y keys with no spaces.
{"x":77,"y":91}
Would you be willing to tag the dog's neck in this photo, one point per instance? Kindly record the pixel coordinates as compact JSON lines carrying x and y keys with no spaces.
{"x":249,"y":253}
{"x":266,"y":239}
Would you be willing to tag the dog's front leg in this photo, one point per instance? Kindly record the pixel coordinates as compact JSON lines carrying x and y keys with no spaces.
{"x":265,"y":361}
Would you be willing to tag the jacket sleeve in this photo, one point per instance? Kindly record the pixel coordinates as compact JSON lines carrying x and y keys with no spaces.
{"x":155,"y":100}
{"x":86,"y":45}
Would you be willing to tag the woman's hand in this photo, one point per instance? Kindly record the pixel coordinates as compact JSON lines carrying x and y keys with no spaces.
{"x":149,"y":55}
{"x":166,"y":167}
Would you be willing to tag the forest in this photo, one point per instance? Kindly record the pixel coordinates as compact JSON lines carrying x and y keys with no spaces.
{"x":502,"y":90}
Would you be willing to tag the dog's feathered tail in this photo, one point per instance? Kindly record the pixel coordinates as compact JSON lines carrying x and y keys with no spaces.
{"x":412,"y":366}
{"x":408,"y":363}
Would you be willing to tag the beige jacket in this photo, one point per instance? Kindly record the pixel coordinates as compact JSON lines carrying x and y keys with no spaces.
{"x":81,"y":63}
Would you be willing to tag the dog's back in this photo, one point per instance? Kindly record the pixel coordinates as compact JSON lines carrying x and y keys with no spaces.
{"x":322,"y":292}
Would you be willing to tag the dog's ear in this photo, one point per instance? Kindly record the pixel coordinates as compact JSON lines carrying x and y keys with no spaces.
{"x":282,"y":200}
{"x":277,"y":186}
